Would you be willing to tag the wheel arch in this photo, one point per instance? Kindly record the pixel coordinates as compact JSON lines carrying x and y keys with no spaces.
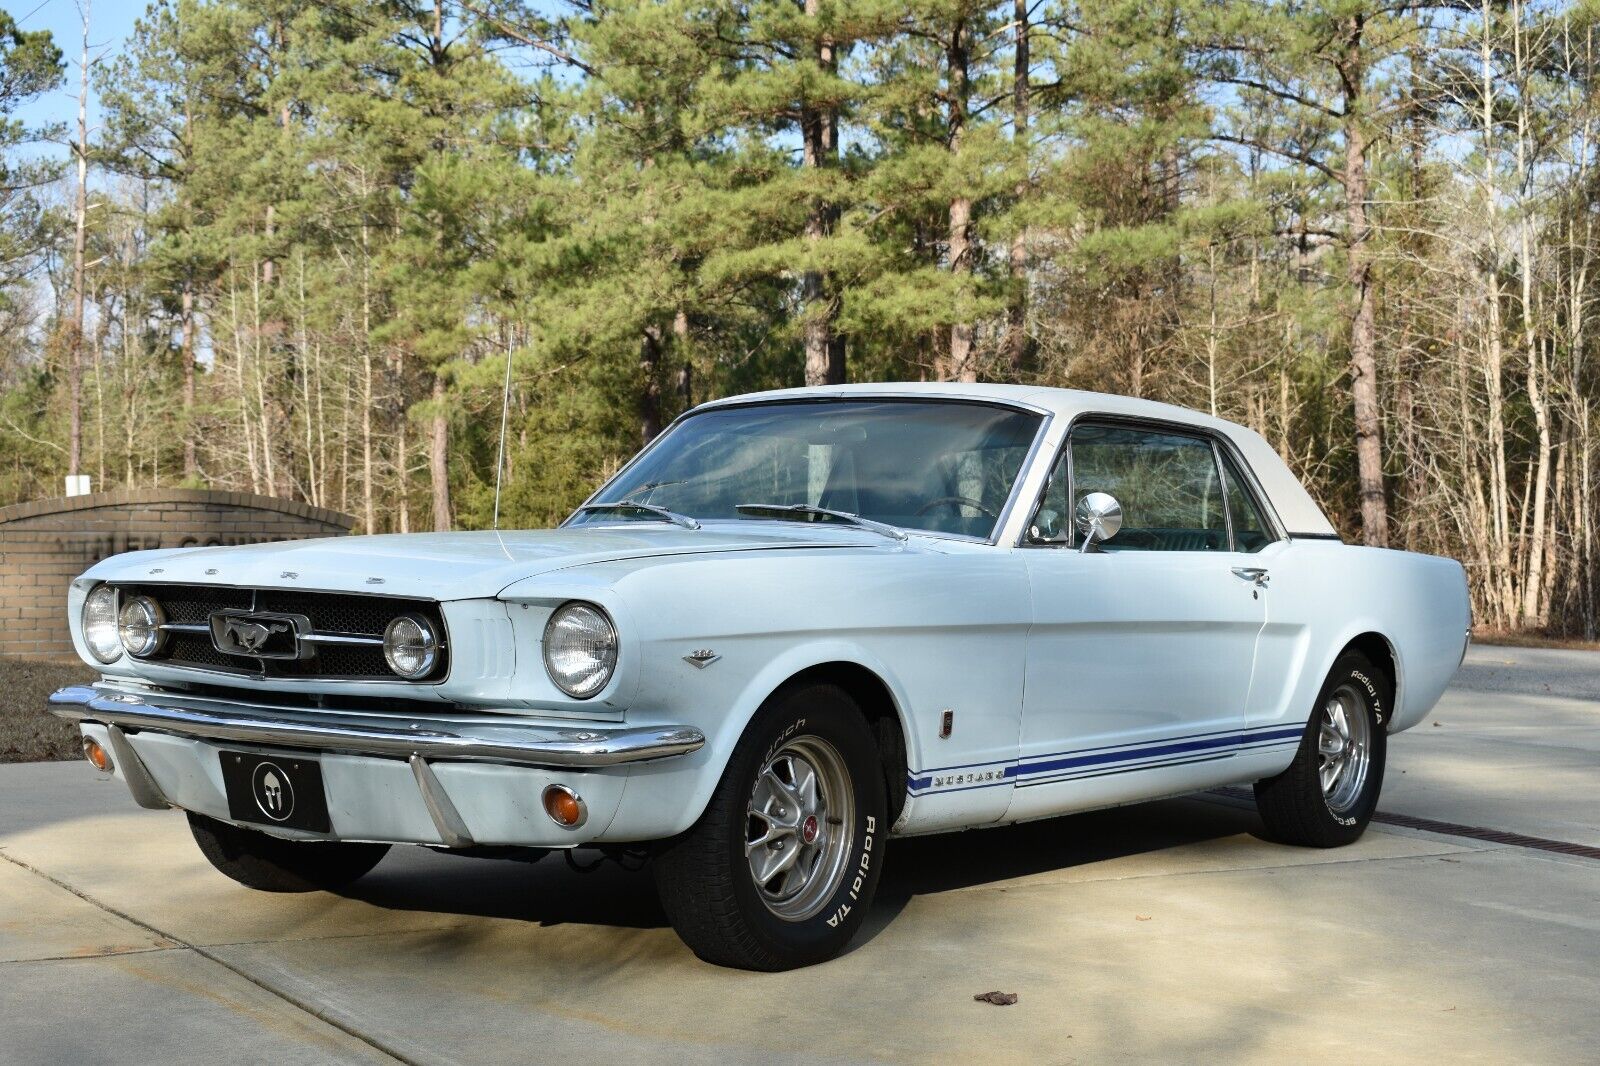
{"x":1380,"y":651}
{"x":882,"y":711}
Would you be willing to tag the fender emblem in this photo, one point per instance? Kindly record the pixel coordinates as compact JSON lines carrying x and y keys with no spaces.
{"x":702,"y":658}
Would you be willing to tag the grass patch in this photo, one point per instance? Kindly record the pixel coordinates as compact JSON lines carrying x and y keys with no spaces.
{"x":1520,"y":639}
{"x":28,"y":732}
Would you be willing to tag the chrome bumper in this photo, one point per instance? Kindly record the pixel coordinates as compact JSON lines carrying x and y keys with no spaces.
{"x":476,"y":739}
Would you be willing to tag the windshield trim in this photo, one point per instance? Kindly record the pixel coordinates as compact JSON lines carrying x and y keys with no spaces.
{"x":1046,"y":416}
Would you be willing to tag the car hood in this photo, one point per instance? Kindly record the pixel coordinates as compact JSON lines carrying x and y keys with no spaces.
{"x":450,"y":566}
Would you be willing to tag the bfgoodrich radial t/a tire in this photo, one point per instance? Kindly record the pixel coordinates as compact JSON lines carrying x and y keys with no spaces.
{"x":1327,"y":795}
{"x":275,"y":865}
{"x":780,"y":869}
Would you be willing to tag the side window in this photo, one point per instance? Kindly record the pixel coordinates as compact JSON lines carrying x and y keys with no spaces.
{"x":1167,"y":483}
{"x":1250,"y":530}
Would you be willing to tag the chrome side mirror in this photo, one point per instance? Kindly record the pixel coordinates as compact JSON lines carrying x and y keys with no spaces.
{"x":1099,"y":518}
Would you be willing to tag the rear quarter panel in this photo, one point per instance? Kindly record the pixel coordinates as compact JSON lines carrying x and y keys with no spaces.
{"x":1324,"y":595}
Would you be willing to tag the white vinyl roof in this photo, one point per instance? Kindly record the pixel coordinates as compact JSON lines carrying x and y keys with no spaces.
{"x":1296,"y":509}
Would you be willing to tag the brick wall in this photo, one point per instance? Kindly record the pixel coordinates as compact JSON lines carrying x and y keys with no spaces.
{"x":46,"y":543}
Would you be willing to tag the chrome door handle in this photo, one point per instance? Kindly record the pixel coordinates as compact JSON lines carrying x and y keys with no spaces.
{"x":1253,"y":573}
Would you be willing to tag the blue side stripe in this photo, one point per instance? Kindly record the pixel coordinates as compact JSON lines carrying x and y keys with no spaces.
{"x":1083,"y":773}
{"x":1129,"y":744}
{"x":1231,"y":740}
{"x":1136,"y":758}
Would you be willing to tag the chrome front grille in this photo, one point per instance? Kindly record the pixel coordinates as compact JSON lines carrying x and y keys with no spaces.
{"x":344,"y":641}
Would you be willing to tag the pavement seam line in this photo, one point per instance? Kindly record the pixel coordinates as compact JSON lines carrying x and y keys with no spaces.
{"x":181,"y":943}
{"x":91,"y":958}
{"x":1453,"y":830}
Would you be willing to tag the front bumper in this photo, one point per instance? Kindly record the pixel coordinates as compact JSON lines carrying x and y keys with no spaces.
{"x":475,"y":740}
{"x":456,"y":781}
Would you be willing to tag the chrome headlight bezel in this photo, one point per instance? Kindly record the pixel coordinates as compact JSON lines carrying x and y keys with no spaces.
{"x":99,"y":614}
{"x":568,"y":628}
{"x":139,"y":627}
{"x":411,"y":638}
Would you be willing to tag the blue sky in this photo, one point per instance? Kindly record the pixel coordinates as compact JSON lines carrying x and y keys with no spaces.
{"x":110,"y":23}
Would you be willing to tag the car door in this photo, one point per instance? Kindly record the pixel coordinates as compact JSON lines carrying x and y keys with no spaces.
{"x":1141,"y":653}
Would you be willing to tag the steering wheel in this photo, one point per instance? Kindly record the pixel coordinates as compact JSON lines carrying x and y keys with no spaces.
{"x":957,"y":501}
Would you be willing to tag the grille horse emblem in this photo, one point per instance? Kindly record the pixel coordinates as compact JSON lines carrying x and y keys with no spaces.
{"x":253,"y":636}
{"x":261,"y":636}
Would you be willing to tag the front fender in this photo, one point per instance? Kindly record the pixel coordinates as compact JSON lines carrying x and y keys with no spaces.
{"x":665,"y":798}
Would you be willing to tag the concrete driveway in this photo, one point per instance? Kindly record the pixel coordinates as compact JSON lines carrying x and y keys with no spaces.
{"x":1166,"y":931}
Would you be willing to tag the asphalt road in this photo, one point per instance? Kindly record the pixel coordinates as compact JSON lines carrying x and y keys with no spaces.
{"x":1165,"y":931}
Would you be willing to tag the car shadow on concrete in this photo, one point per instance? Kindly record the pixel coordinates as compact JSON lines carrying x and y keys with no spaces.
{"x":920,"y":866}
{"x":608,"y":893}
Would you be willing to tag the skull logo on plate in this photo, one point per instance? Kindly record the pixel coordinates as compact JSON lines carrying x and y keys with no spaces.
{"x":273,"y":792}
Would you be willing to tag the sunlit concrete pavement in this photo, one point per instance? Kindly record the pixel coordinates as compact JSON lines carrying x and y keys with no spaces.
{"x":1166,"y":931}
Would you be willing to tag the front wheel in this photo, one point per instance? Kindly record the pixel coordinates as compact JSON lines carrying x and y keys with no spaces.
{"x":1327,"y":795}
{"x":780,"y":869}
{"x":273,"y":864}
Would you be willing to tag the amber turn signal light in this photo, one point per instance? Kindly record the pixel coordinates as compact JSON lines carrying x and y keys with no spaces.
{"x":98,"y":757}
{"x":564,"y":806}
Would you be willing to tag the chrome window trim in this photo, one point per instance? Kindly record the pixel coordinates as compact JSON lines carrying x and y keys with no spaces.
{"x":1217,"y":438}
{"x":1222,"y":487}
{"x":1046,"y":418}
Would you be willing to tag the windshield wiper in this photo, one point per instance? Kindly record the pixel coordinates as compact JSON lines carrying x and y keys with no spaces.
{"x":804,"y":512}
{"x":648,"y":486}
{"x":642,"y":508}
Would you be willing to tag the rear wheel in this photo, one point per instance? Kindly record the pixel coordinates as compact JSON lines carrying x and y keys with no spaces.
{"x":272,"y":864}
{"x":780,"y":869}
{"x":1327,"y":795}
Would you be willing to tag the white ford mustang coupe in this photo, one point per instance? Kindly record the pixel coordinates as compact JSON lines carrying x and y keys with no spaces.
{"x":798,"y":624}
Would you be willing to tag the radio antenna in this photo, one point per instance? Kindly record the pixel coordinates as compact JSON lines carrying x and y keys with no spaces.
{"x":500,"y":453}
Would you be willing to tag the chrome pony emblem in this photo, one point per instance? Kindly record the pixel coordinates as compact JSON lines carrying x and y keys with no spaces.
{"x":261,"y":636}
{"x":252,"y":636}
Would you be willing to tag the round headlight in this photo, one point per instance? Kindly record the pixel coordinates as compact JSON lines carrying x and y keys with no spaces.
{"x":99,"y":622}
{"x":411,"y":647}
{"x":139,"y":626}
{"x":580,"y":649}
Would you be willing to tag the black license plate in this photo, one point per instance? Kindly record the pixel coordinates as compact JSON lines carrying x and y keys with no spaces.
{"x":275,"y":790}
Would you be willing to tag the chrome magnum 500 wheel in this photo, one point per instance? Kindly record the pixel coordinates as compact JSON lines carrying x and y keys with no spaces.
{"x":797,"y":839}
{"x":1327,"y":795}
{"x":1344,"y":748}
{"x":780,"y":869}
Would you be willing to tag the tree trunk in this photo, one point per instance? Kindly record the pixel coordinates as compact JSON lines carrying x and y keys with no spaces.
{"x":368,"y":504}
{"x":81,"y":218}
{"x":824,"y":360}
{"x":650,"y":393}
{"x":439,"y":458}
{"x":1364,"y":322}
{"x":680,"y":340}
{"x":191,"y":432}
{"x":961,"y":365}
{"x":1021,"y":102}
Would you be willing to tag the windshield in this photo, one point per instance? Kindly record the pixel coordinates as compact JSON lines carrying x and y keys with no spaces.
{"x":944,"y":467}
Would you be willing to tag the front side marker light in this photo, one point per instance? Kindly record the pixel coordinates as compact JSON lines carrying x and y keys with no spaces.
{"x":565,"y":807}
{"x":98,"y":757}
